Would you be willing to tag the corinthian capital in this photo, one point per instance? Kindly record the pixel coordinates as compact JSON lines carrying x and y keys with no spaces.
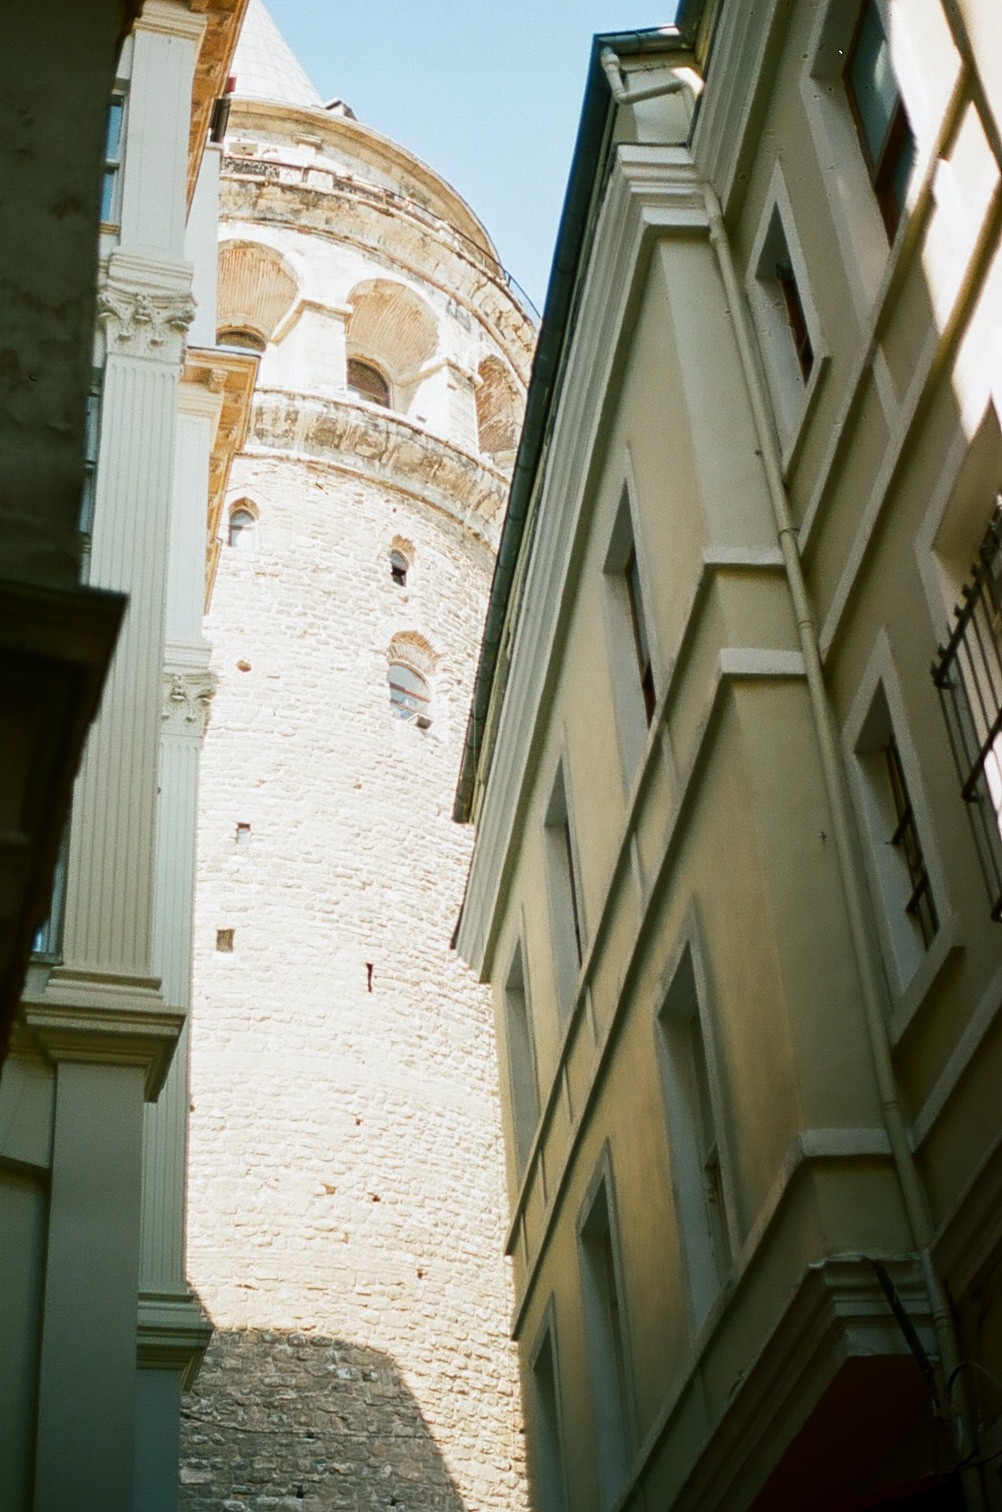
{"x":186,"y":702}
{"x":144,"y":323}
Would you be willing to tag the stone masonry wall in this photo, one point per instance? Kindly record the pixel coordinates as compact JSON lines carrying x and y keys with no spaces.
{"x":345,"y":1188}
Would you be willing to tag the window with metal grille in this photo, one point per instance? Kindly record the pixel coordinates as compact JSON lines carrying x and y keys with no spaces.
{"x":885,"y":135}
{"x":905,"y":838}
{"x":968,"y":675}
{"x":409,"y":694}
{"x":367,"y":382}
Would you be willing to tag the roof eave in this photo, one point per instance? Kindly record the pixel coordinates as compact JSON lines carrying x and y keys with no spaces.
{"x":587,"y":173}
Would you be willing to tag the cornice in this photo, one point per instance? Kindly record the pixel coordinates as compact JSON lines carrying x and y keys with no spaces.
{"x":103,"y":1020}
{"x":171,"y":20}
{"x":387,"y":448}
{"x":221,"y":22}
{"x":173,"y":1334}
{"x":361,"y":144}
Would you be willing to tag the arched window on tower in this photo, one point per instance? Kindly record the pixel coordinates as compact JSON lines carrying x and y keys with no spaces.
{"x":399,"y":567}
{"x":410,"y":697}
{"x":367,"y":382}
{"x":243,"y":528}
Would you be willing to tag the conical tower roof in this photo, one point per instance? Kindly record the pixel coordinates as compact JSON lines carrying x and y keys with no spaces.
{"x":266,"y":67}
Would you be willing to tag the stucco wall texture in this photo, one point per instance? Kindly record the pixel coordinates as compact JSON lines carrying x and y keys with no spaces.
{"x":345,"y":1177}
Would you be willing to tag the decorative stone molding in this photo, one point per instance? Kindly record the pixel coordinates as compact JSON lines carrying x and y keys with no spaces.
{"x":384,"y":446}
{"x":350,"y":213}
{"x":143,"y":324}
{"x":187,"y":701}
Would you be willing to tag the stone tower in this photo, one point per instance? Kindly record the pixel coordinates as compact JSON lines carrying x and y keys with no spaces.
{"x":345,"y":1187}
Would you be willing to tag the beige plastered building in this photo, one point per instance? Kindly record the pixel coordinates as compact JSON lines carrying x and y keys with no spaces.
{"x":345,"y":1178}
{"x":736,"y":880}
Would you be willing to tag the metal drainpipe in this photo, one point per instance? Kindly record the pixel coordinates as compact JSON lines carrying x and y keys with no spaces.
{"x":913,"y":1192}
{"x":626,"y":96}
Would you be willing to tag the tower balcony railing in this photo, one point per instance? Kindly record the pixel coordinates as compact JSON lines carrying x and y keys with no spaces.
{"x":968,"y":674}
{"x":329,"y":181}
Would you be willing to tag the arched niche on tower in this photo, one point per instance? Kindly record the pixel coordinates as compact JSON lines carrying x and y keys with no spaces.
{"x":498,"y":412}
{"x":394,"y":332}
{"x":257,"y":290}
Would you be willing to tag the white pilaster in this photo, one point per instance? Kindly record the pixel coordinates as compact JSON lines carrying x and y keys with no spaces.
{"x":87,"y":1378}
{"x":154,"y":192}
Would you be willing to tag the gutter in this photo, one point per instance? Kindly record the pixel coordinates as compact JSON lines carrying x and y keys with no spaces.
{"x":576,"y":221}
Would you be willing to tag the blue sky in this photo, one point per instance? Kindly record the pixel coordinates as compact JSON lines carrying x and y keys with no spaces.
{"x":488,"y":94}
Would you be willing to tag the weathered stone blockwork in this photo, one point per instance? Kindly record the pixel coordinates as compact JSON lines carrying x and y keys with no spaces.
{"x":345,"y":1193}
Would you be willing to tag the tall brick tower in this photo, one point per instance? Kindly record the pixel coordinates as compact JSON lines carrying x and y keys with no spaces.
{"x":345,"y":1186}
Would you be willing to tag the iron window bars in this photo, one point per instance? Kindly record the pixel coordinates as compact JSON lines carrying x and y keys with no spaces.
{"x":968,"y":675}
{"x":920,"y":906}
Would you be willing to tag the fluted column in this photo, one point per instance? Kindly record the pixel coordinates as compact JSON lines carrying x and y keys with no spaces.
{"x":102,"y":1016}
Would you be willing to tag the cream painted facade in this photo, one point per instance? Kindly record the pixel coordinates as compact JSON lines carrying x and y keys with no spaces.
{"x":99,"y":1326}
{"x":346,"y":1205}
{"x":726,"y":889}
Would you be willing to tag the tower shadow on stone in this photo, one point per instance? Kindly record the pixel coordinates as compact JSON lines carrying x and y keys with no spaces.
{"x":288,"y":1419}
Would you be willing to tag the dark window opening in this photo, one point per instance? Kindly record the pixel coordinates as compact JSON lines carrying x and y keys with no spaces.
{"x":795,"y":317}
{"x":640,"y":641}
{"x":398,"y":568}
{"x":367,"y":382}
{"x":885,"y":134}
{"x":968,"y":675}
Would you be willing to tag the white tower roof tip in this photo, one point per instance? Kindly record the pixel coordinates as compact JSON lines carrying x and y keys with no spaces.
{"x":266,"y":67}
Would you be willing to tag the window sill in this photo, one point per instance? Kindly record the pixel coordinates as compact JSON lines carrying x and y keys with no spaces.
{"x":909,"y":1000}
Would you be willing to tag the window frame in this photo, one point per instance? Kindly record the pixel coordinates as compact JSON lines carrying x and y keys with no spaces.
{"x":520,"y":1056}
{"x":881,"y":168}
{"x":708,"y":1239}
{"x":114,"y":160}
{"x":607,"y":1331}
{"x":634,"y":700}
{"x":910,"y":965}
{"x":362,"y":395}
{"x":405,"y":708}
{"x":547,"y":1448}
{"x":563,"y":886}
{"x":794,"y":352}
{"x":241,"y":509}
